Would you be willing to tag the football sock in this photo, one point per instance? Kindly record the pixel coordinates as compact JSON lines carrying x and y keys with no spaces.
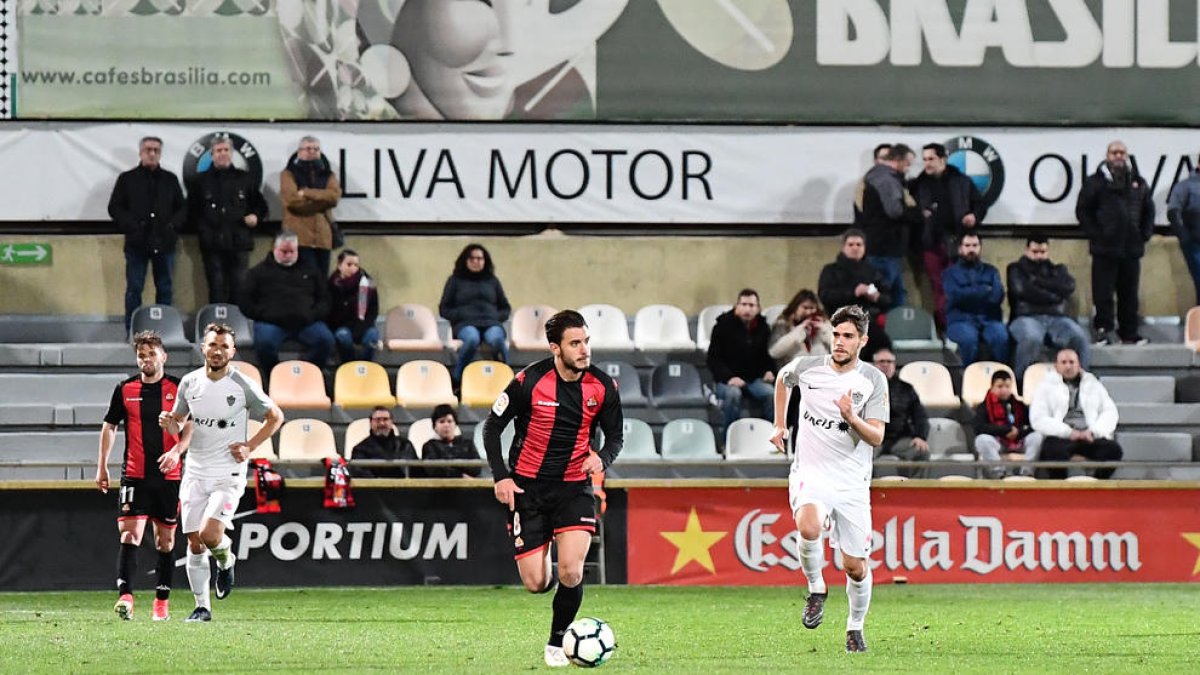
{"x":198,"y":574}
{"x":811,"y":560}
{"x":567,"y":600}
{"x":859,"y":593}
{"x":126,"y":567}
{"x":165,"y":568}
{"x":221,"y":553}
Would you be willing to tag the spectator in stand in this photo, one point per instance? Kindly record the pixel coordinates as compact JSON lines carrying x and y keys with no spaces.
{"x":287,"y":301}
{"x":1038,"y":292}
{"x":1116,"y":211}
{"x":850,"y":280}
{"x":739,"y":361}
{"x":951,"y":206}
{"x":1002,"y":428}
{"x":887,"y":212}
{"x":474,"y":303}
{"x":382,"y":443}
{"x":353,"y":308}
{"x":973,"y":297}
{"x":448,"y":443}
{"x":800,"y":330}
{"x":147,"y":206}
{"x":906,"y":435}
{"x":1183,"y":210}
{"x":225,"y":204}
{"x":309,"y":190}
{"x":880,"y":156}
{"x":1076,"y":416}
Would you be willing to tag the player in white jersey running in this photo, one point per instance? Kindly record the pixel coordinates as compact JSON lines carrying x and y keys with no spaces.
{"x":843,"y":409}
{"x":219,"y":400}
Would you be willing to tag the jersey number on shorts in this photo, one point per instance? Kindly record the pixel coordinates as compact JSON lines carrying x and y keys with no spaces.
{"x":127,"y":494}
{"x":516,"y":524}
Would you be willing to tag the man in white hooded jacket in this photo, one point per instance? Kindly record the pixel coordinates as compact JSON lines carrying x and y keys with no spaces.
{"x":1078,"y":418}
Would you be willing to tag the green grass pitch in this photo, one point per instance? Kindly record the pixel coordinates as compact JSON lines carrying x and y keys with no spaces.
{"x":1114,"y":628}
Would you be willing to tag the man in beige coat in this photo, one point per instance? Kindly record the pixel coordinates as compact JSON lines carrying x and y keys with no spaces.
{"x":309,"y":190}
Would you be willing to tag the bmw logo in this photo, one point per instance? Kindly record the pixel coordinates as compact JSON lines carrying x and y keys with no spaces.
{"x":245,"y":156}
{"x":979,"y":160}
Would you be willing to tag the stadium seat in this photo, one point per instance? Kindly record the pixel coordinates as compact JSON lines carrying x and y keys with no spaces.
{"x":162,"y":319}
{"x":264,"y":451}
{"x":705,"y":322}
{"x":483,"y":381}
{"x":1034,"y":374}
{"x":662,"y":328}
{"x":249,"y":370}
{"x":639,"y":440}
{"x":506,"y":439}
{"x":362,"y":384}
{"x":687,"y":438}
{"x":608,"y":327}
{"x":932,"y":382}
{"x":629,"y":384}
{"x":230,"y":315}
{"x":1191,"y":329}
{"x":1140,"y":388}
{"x":912,"y":328}
{"x":298,"y":384}
{"x":306,"y":439}
{"x":892,"y":477}
{"x":58,"y":399}
{"x":948,"y":441}
{"x":421,"y":432}
{"x":529,"y":327}
{"x":356,"y":432}
{"x":750,"y":438}
{"x":676,"y":385}
{"x":977,"y":380}
{"x":424,"y":384}
{"x":411,"y":327}
{"x":771,"y":313}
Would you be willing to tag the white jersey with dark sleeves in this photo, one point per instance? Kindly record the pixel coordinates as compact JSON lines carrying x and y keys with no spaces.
{"x":220,"y":410}
{"x":828,"y":451}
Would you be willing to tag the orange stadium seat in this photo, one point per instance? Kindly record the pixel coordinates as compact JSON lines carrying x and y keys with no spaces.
{"x":424,"y":384}
{"x":977,"y":380}
{"x":529,"y":327}
{"x":356,"y":431}
{"x":411,"y":327}
{"x":299,"y":384}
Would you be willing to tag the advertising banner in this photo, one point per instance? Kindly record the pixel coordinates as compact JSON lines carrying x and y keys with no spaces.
{"x":923,"y":535}
{"x":791,"y":61}
{"x":586,"y":174}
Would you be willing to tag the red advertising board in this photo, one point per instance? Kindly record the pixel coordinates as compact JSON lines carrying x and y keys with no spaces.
{"x":746,"y":536}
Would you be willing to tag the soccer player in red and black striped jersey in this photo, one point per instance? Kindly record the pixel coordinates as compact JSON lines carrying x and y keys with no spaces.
{"x":149,"y":488}
{"x":556,"y":405}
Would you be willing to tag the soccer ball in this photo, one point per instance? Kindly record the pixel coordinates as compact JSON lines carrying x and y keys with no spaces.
{"x":589,"y":642}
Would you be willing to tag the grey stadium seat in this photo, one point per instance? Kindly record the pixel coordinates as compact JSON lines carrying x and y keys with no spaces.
{"x":162,"y":319}
{"x":56,"y":399}
{"x":628,"y":382}
{"x":676,"y":385}
{"x":912,"y":328}
{"x":687,"y":438}
{"x":227,"y":314}
{"x":638,"y":440}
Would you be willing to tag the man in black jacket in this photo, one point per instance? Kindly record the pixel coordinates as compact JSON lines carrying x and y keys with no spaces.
{"x":739,"y":361}
{"x":147,"y":206}
{"x":287,"y":301}
{"x":225,"y":204}
{"x":905,"y":436}
{"x":888,"y":210}
{"x":1116,"y":211}
{"x":950,"y":205}
{"x":850,"y":280}
{"x":1038,"y":292}
{"x":382,"y":443}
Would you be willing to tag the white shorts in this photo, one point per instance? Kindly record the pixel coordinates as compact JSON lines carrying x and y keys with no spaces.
{"x":846,"y":517}
{"x":204,"y":498}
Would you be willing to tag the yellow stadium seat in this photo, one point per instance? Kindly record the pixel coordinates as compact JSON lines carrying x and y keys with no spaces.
{"x":267,"y":449}
{"x":362,"y":384}
{"x":977,"y":380}
{"x":411,"y":327}
{"x":306,"y":439}
{"x":424,"y":384}
{"x":249,"y":370}
{"x":483,"y":381}
{"x":529,"y":327}
{"x":298,"y":384}
{"x":1034,"y":374}
{"x":356,"y":431}
{"x":932,"y":382}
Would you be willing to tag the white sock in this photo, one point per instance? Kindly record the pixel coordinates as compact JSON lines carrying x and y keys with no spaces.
{"x":198,"y":575}
{"x":224,"y":557}
{"x":859,"y":593}
{"x":811,"y":560}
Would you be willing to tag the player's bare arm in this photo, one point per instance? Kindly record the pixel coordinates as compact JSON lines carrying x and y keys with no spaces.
{"x":271,"y":423}
{"x":172,"y":422}
{"x":781,"y":397}
{"x":108,"y":436}
{"x":171,"y":458}
{"x":870,"y":431}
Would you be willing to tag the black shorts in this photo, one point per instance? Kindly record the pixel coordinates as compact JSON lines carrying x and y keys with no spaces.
{"x":546,"y":508}
{"x":156,"y":499}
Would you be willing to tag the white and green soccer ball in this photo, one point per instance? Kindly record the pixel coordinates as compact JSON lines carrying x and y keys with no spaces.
{"x":589,"y":642}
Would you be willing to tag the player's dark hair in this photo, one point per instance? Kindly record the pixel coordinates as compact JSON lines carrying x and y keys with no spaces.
{"x":1037,"y":238}
{"x":148,"y":338}
{"x":460,"y":263}
{"x":220,"y":329}
{"x":559,"y":323}
{"x":898,"y":152}
{"x":854,"y":314}
{"x":937,"y":148}
{"x":998,"y":375}
{"x":441,"y":410}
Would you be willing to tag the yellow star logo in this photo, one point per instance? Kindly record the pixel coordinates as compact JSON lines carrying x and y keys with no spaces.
{"x":693,"y":544}
{"x":1194,"y":539}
